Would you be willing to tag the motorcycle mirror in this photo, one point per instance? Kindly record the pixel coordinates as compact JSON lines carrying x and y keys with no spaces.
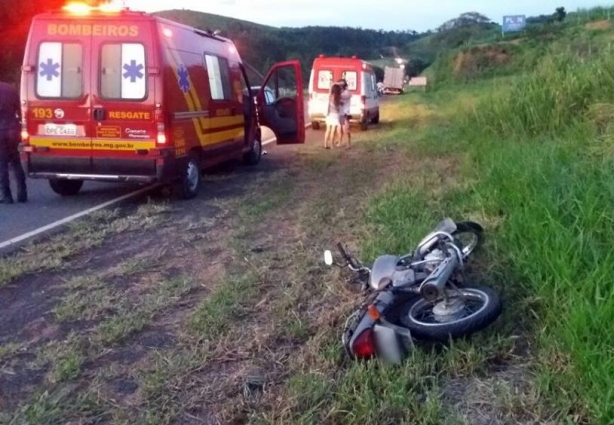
{"x":328,"y":258}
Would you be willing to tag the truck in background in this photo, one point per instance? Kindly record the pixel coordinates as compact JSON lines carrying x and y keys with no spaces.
{"x":393,"y":80}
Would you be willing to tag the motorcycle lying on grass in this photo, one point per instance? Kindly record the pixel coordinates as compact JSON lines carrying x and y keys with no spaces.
{"x":422,"y":294}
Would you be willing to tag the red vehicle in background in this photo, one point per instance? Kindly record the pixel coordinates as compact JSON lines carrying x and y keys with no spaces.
{"x":111,"y":94}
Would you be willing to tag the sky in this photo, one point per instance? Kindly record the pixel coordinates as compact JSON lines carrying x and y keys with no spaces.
{"x":418,"y":15}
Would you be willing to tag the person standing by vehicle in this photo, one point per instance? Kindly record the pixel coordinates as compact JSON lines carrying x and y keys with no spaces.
{"x":333,"y":118}
{"x":346,"y":100}
{"x":10,"y":114}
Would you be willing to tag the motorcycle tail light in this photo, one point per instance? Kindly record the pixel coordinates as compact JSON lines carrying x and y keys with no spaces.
{"x":364,"y":346}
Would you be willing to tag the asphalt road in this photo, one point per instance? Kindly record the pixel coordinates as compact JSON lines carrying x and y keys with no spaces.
{"x":45,"y":207}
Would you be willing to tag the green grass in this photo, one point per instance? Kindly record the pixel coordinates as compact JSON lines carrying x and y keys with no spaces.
{"x":65,"y":358}
{"x":277,"y":194}
{"x":535,"y":166}
{"x":132,"y":318}
{"x":86,"y":305}
{"x":9,"y":349}
{"x":228,"y":303}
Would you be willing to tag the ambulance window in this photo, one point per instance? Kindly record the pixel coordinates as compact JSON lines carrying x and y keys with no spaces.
{"x":325,"y":79}
{"x":350,"y":77}
{"x":219,"y":77}
{"x":122,"y":71}
{"x":60,"y":70}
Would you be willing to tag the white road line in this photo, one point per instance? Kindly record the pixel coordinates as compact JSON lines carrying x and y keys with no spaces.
{"x":21,"y":238}
{"x":40,"y":230}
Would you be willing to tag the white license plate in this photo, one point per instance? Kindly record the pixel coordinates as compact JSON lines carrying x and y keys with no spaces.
{"x":60,"y":130}
{"x":387,"y":344}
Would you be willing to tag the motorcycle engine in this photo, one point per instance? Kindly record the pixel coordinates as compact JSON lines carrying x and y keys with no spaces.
{"x":435,"y":255}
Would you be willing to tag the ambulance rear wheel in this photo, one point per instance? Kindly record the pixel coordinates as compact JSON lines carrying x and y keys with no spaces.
{"x":253,"y":156}
{"x":66,"y":187}
{"x":190,"y":177}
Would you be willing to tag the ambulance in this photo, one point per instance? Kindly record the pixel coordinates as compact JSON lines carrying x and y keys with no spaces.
{"x":360,"y":76}
{"x":115,"y":95}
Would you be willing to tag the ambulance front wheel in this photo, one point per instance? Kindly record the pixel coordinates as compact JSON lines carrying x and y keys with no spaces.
{"x":190,"y":177}
{"x":66,"y":187}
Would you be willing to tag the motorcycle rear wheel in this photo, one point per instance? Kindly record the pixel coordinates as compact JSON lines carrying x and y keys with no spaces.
{"x":472,"y":230}
{"x":482,"y":306}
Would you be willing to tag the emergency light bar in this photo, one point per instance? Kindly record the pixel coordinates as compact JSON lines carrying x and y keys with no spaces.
{"x":82,"y":9}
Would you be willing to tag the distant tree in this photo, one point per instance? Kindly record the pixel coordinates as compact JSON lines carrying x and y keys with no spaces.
{"x":467,"y":19}
{"x":541,"y":19}
{"x":560,"y":14}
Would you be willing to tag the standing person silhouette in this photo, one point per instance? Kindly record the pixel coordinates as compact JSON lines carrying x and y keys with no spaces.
{"x":346,"y":100}
{"x":10,"y":117}
{"x":333,"y":118}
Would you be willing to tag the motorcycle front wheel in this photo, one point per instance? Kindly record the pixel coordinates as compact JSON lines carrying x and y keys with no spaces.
{"x":469,"y":236}
{"x":467,"y":310}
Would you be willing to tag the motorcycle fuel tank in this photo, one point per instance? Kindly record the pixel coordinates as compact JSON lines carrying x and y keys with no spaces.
{"x":386,"y":270}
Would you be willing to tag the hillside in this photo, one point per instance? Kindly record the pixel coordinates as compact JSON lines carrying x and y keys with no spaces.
{"x":487,"y":53}
{"x":261,"y":45}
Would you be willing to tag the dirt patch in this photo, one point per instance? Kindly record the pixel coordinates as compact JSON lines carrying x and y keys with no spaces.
{"x":39,"y":310}
{"x":474,"y":62}
{"x":602,"y":25}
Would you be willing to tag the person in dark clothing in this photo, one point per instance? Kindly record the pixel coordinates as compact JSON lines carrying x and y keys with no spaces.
{"x":10,"y":117}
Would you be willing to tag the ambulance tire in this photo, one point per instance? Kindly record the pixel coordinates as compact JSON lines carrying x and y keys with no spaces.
{"x":189,"y":184}
{"x":253,"y":156}
{"x":66,"y":187}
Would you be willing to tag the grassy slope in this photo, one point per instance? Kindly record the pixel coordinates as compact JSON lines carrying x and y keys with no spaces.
{"x":489,"y":54}
{"x":537,"y":149}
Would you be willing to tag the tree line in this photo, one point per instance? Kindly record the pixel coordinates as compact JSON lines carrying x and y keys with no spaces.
{"x":261,"y":46}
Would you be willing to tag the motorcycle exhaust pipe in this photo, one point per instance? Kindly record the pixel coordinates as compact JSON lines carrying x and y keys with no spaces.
{"x":433,"y":286}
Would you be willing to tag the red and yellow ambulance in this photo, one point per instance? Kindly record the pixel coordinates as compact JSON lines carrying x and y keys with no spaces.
{"x":111,"y":94}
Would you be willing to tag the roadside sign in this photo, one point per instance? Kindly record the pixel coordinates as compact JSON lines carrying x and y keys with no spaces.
{"x":418,"y":81}
{"x":513,"y":23}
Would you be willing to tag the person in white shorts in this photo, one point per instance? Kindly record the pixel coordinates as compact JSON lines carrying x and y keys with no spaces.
{"x":333,"y":118}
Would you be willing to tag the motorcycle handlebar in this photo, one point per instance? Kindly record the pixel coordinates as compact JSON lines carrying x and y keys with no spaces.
{"x":347,"y":257}
{"x":343,"y":252}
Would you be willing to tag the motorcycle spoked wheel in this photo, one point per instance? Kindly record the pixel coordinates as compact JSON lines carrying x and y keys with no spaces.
{"x":481,"y":306}
{"x":469,"y":236}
